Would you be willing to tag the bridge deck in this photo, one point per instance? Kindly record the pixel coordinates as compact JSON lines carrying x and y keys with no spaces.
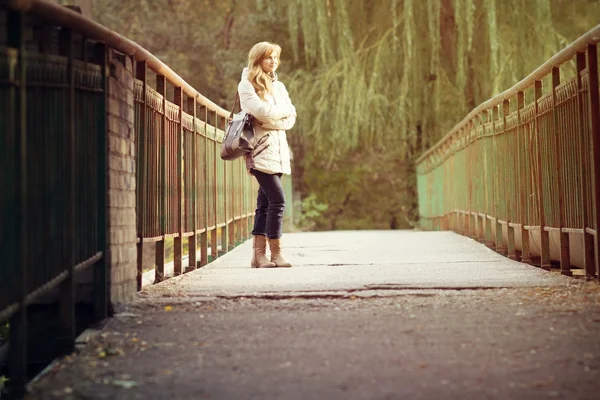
{"x":364,"y":261}
{"x":351,"y":320}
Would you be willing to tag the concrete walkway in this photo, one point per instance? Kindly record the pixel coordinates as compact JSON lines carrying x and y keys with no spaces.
{"x":364,"y":261}
{"x":389,"y":315}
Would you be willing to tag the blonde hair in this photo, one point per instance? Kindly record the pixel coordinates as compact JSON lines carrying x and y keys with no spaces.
{"x":262,"y":81}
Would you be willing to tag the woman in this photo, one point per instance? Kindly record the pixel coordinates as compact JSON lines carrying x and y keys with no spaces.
{"x":267,"y":99}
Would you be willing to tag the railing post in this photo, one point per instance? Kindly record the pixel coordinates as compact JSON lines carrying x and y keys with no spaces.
{"x":565,"y":258}
{"x":101,"y":281}
{"x":461,"y":223}
{"x":15,"y":24}
{"x":470,"y":164}
{"x":141,"y":73}
{"x":193,"y":240}
{"x":226,"y":230}
{"x":499,"y":240}
{"x":481,"y":193}
{"x":243,"y":224}
{"x":213,"y":237}
{"x":67,"y":287}
{"x":178,"y":241}
{"x":588,"y":238}
{"x":525,"y":250}
{"x":204,"y":177}
{"x":544,"y":237}
{"x":509,"y":229}
{"x":234,"y":230}
{"x":486,"y":223}
{"x":161,"y":88}
{"x":594,"y":129}
{"x":480,"y":212}
{"x":448,"y":217}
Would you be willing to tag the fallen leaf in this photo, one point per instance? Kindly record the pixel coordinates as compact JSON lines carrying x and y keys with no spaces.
{"x":125,"y":384}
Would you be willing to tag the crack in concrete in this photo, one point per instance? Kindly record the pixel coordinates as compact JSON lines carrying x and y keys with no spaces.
{"x":396,"y":291}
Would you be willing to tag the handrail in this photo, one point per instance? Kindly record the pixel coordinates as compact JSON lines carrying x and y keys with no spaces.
{"x":566,"y":54}
{"x":522,"y":174}
{"x":69,"y":18}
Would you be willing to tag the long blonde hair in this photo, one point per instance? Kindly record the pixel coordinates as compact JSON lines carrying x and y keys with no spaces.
{"x":262,"y":82}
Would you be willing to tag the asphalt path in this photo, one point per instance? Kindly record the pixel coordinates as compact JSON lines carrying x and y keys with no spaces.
{"x":361,"y":315}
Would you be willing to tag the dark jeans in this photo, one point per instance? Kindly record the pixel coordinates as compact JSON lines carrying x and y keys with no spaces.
{"x":270,"y":205}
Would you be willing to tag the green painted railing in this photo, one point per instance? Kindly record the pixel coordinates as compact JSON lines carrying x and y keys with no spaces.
{"x":521,"y":171}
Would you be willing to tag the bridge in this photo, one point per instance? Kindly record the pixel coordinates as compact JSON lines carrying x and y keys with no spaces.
{"x":110,"y":159}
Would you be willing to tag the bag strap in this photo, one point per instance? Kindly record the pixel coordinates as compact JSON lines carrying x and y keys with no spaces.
{"x":236,"y":103}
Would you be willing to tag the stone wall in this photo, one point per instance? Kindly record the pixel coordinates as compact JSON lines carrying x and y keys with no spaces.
{"x":122,"y":251}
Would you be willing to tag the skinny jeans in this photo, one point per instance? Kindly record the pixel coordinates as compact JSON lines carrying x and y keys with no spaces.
{"x":270,"y":205}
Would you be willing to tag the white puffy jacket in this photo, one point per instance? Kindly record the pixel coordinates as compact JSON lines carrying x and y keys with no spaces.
{"x":273,"y":116}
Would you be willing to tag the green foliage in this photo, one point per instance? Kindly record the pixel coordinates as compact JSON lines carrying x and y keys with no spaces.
{"x":375,"y":82}
{"x":311,"y":211}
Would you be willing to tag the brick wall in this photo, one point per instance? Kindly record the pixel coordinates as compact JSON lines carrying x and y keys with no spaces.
{"x":122,"y":252}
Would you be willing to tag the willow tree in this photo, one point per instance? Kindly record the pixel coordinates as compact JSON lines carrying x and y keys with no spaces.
{"x":373,"y":93}
{"x":376,"y":82}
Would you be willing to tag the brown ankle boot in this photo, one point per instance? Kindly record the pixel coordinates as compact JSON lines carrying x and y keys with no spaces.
{"x":259,"y":253}
{"x":276,"y":255}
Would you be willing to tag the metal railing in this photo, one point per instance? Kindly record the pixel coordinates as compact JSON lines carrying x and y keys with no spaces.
{"x":53,"y":180}
{"x":185,"y":190}
{"x":521,"y":171}
{"x":53,"y":171}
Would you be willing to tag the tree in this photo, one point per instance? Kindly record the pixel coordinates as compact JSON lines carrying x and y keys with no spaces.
{"x":376,"y":82}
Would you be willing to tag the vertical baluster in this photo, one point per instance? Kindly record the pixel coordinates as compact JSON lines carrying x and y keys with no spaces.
{"x":67,"y":291}
{"x":240,"y":207}
{"x":565,"y":261}
{"x":460,"y":191}
{"x":141,"y":73}
{"x":226,"y":230}
{"x":497,"y":196}
{"x":244,"y":204}
{"x":480,"y":176}
{"x":514,"y":152}
{"x":231,"y":200}
{"x":178,"y":242}
{"x":588,"y":238}
{"x":213,"y":149}
{"x":193,"y":240}
{"x":481,"y":209}
{"x":101,"y":286}
{"x":469,"y":156}
{"x":18,"y":323}
{"x":544,"y":237}
{"x":486,"y":224}
{"x":235,"y":194}
{"x":523,"y":219}
{"x":161,"y":88}
{"x":205,"y":193}
{"x":448,"y":220}
{"x":594,"y":132}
